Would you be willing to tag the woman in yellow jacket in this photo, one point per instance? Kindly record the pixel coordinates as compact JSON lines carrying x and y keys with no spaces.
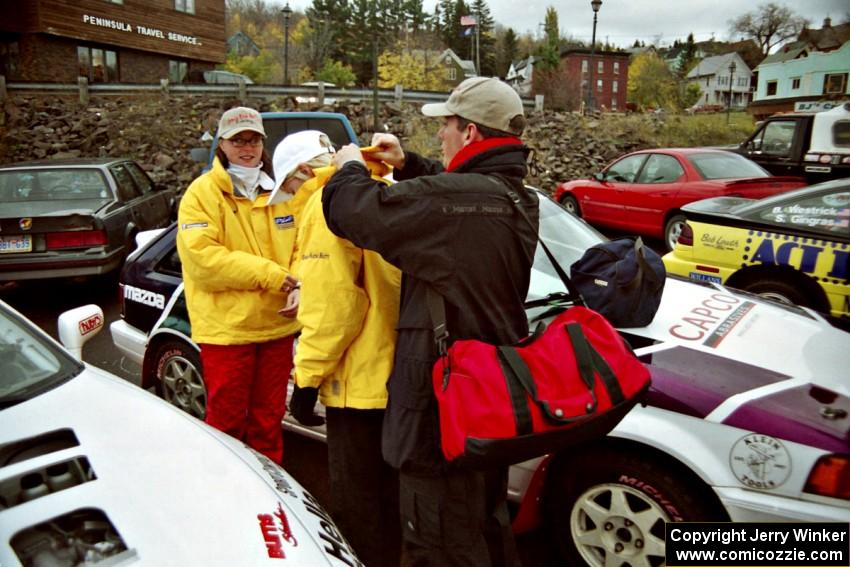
{"x":348,"y":312}
{"x":236,"y":249}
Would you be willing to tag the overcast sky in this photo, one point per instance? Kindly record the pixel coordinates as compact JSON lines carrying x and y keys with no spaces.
{"x":658,"y":22}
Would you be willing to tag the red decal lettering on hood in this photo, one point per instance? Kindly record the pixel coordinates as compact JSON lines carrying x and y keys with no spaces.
{"x":709,"y":312}
{"x":276,"y":532}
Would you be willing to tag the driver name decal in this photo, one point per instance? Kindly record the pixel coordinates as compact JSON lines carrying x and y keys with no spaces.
{"x":275,"y":529}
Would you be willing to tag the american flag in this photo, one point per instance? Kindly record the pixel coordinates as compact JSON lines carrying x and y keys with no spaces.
{"x":468,"y":20}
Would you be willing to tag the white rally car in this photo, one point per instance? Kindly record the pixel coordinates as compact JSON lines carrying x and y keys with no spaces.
{"x":746,"y":420}
{"x":95,"y":470}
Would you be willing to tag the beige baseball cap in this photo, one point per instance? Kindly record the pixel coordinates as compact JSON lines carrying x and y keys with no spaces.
{"x":483,"y":100}
{"x":238,"y":120}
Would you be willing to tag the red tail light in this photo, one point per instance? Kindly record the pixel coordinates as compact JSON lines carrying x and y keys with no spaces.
{"x":687,"y":236}
{"x":830,"y":477}
{"x":75,"y":239}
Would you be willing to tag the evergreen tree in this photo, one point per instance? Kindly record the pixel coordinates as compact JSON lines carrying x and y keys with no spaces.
{"x":508,"y":52}
{"x":549,"y":52}
{"x":486,"y":41}
{"x":689,"y":56}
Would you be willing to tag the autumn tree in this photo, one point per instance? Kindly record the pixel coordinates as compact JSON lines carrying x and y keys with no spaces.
{"x":263,"y":23}
{"x":769,"y":25}
{"x":337,"y":73}
{"x":651,"y":83}
{"x":413,"y":69}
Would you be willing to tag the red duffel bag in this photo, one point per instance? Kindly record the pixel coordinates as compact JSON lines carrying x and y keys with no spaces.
{"x":568,"y":384}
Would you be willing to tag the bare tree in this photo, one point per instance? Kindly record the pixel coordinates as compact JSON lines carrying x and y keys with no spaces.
{"x":770,"y":24}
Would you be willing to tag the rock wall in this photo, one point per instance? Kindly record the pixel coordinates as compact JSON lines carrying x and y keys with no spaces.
{"x":159,"y":133}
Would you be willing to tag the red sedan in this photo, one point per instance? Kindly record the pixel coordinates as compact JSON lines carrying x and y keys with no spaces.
{"x":642,"y":192}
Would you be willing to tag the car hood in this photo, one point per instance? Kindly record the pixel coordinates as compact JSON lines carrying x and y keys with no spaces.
{"x":52,"y":208}
{"x":732,"y":357}
{"x":176,"y":491}
{"x":790,"y":340}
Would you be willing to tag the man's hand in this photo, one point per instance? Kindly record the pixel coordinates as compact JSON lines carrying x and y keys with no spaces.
{"x":302,"y":406}
{"x":292,"y":301}
{"x":390,"y":151}
{"x":347,"y":153}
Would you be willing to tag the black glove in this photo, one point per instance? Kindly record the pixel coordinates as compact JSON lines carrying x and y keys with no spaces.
{"x":302,"y":406}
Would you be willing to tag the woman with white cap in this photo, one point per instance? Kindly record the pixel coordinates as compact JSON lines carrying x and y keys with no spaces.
{"x":348,"y":313}
{"x":236,"y":248}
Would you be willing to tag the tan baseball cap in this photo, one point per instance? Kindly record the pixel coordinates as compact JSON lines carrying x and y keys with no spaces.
{"x":238,"y":120}
{"x":483,"y":100}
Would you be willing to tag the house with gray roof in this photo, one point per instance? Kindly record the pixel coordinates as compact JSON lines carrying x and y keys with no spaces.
{"x":456,"y":69}
{"x":521,"y":74}
{"x":725,"y":80}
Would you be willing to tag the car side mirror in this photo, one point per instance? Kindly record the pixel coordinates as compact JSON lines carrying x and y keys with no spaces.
{"x":600,"y":176}
{"x":77,"y":326}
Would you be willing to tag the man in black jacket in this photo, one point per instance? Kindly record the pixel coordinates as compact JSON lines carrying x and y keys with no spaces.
{"x":452,"y":228}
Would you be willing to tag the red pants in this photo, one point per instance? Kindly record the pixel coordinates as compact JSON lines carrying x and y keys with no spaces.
{"x":246,"y":391}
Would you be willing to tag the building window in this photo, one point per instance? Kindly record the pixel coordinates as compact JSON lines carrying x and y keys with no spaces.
{"x":743,"y":82}
{"x":600,"y":67}
{"x":187,"y":6}
{"x":795,"y":83}
{"x":599,"y":85}
{"x":614,"y":86}
{"x":771,"y":88}
{"x":835,"y":83}
{"x":116,"y":1}
{"x":451,"y":73}
{"x":97,"y":65}
{"x":616,"y":67}
{"x":614,"y":103}
{"x":177,"y":71}
{"x":584,"y":66}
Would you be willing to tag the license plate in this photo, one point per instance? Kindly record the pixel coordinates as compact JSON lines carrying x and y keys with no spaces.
{"x":704,"y":278}
{"x":13,"y":244}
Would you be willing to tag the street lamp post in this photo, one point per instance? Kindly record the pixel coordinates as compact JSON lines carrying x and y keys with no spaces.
{"x":595,"y":4}
{"x":287,"y":13}
{"x":731,"y":76}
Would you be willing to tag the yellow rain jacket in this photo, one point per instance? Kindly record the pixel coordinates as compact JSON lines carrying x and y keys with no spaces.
{"x":348,"y":311}
{"x":235,"y":254}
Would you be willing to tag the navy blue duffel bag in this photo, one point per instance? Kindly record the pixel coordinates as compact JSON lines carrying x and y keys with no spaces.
{"x":621,"y":279}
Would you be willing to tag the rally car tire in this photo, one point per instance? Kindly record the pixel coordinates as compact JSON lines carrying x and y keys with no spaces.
{"x":615,"y":502}
{"x":786,"y":290}
{"x":672,"y":230}
{"x":569,"y":202}
{"x":179,"y":378}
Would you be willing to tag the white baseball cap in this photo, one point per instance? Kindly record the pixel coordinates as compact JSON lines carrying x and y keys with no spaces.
{"x":299,"y":147}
